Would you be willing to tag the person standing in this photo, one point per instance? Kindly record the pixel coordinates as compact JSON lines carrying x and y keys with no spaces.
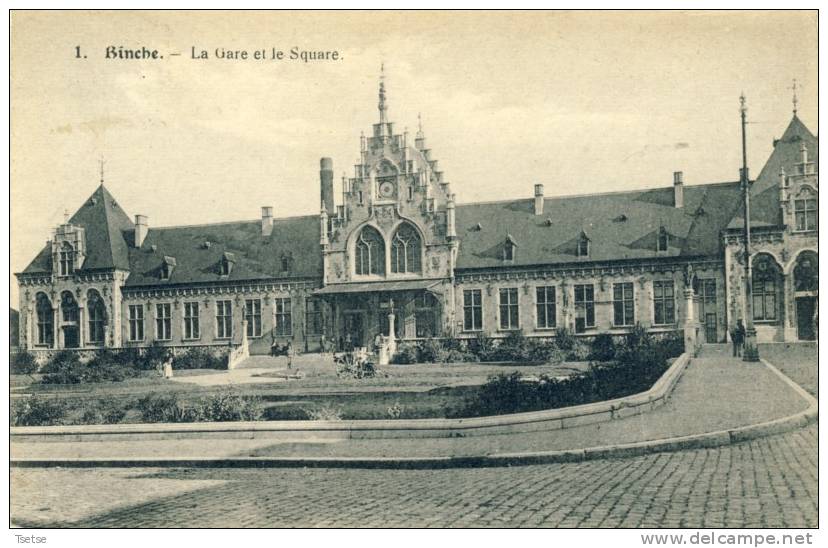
{"x":737,"y":335}
{"x":289,"y":353}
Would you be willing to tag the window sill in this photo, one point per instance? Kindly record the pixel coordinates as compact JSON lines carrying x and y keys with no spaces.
{"x":549,"y":328}
{"x":197,"y":339}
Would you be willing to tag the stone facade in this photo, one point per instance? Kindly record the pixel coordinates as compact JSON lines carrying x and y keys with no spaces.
{"x":399,"y":258}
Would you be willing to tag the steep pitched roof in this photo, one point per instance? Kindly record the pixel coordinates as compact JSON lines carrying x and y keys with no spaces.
{"x":105,"y":225}
{"x":621,"y":225}
{"x":199,"y":250}
{"x":764,"y":194}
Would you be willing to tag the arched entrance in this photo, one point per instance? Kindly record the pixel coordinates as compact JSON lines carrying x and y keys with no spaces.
{"x":806,"y":295}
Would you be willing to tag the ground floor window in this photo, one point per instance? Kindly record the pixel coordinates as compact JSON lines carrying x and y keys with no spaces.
{"x":313,"y":316}
{"x":664,"y":303}
{"x":766,"y":276}
{"x":424,"y":310}
{"x":224,"y":319}
{"x":284,"y":325}
{"x":546,"y":309}
{"x":509,"y":308}
{"x":623,"y":304}
{"x":584,"y":307}
{"x":45,"y":320}
{"x":253,"y":316}
{"x":136,"y":322}
{"x":192,"y":329}
{"x":472,"y":310}
{"x":163,"y":322}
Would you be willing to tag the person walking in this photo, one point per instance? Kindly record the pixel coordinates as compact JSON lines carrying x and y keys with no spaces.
{"x":289,"y":352}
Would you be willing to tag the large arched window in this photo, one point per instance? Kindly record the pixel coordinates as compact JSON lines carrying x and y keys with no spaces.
{"x":68,"y":307}
{"x":766,"y":285}
{"x":806,"y":272}
{"x":97,"y":316}
{"x":405,"y":250}
{"x":67,"y":259}
{"x":45,"y":320}
{"x":370,"y":252}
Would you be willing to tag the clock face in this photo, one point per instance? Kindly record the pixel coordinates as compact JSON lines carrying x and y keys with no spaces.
{"x":386,"y":189}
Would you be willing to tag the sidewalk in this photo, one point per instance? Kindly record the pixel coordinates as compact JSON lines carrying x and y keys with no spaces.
{"x":715,"y":393}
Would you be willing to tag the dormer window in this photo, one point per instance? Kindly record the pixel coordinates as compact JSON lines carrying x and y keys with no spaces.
{"x":226,"y":264}
{"x":509,"y":247}
{"x":67,"y":259}
{"x":167,"y":267}
{"x":663,"y":240}
{"x":287,"y":262}
{"x":583,"y":246}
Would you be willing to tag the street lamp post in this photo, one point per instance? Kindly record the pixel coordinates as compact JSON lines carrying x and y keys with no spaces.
{"x":750,"y":352}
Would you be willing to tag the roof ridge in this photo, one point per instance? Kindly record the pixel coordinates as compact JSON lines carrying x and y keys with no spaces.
{"x":224,"y":223}
{"x":589,"y":194}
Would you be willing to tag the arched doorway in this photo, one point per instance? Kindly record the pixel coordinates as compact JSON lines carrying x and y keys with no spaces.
{"x":806,"y":294}
{"x":69,"y":320}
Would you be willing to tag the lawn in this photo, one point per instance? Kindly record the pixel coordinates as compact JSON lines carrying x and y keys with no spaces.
{"x":398,"y":391}
{"x":799,"y":361}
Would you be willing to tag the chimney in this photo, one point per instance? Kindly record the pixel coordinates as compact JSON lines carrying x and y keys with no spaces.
{"x":678,"y":189}
{"x":451,"y":229}
{"x":538,"y":199}
{"x":140,"y":229}
{"x":267,"y":220}
{"x":326,"y":183}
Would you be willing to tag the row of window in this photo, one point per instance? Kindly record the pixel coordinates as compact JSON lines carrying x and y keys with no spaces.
{"x":252,"y":312}
{"x":623,"y":302}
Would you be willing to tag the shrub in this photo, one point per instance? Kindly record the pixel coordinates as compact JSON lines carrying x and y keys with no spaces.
{"x":22,"y":363}
{"x":153,"y":357}
{"x":106,"y":365}
{"x":395,"y":411}
{"x":482,"y":346}
{"x":354,"y":366}
{"x":564,"y":338}
{"x":603,"y":348}
{"x":324,"y":413}
{"x":672,"y":344}
{"x":578,"y":352}
{"x":37,"y":411}
{"x":108,"y":411}
{"x":544,"y":351}
{"x":198,"y":358}
{"x":431,"y":351}
{"x":226,"y":406}
{"x":166,"y":408}
{"x":639,"y":363}
{"x":407,"y":353}
{"x":64,"y":368}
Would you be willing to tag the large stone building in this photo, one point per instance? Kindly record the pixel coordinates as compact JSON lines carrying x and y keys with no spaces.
{"x":399,"y":254}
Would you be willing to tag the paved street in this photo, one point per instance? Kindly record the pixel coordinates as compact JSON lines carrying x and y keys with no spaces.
{"x":770,"y":482}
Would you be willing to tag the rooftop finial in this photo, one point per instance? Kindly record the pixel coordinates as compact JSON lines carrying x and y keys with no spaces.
{"x":383,"y":108}
{"x":101,"y":163}
{"x":795,"y":100}
{"x":742,"y":103}
{"x":66,"y":216}
{"x":419,"y":125}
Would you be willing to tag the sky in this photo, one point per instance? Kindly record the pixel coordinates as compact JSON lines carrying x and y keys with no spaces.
{"x":581,"y":102}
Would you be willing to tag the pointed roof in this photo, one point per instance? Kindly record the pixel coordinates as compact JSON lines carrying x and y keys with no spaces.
{"x":764,"y":194}
{"x":106,"y":225}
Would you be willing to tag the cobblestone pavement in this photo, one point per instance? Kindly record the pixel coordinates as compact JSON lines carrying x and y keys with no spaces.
{"x":770,"y":482}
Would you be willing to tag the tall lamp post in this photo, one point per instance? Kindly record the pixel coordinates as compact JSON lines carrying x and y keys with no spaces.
{"x":751,"y":351}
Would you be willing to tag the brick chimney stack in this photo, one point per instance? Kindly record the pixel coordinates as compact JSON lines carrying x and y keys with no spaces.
{"x":538,"y":199}
{"x":678,"y":189}
{"x":141,"y":228}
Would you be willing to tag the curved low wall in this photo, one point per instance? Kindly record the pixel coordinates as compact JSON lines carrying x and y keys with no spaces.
{"x":551,"y":419}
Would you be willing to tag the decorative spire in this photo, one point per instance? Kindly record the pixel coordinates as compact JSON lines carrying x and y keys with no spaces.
{"x":795,"y":100}
{"x":66,"y":216}
{"x":101,"y":163}
{"x":383,"y":108}
{"x":419,"y":125}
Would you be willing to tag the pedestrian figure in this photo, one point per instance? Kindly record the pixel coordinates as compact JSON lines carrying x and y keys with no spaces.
{"x":737,"y":335}
{"x":289,"y":352}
